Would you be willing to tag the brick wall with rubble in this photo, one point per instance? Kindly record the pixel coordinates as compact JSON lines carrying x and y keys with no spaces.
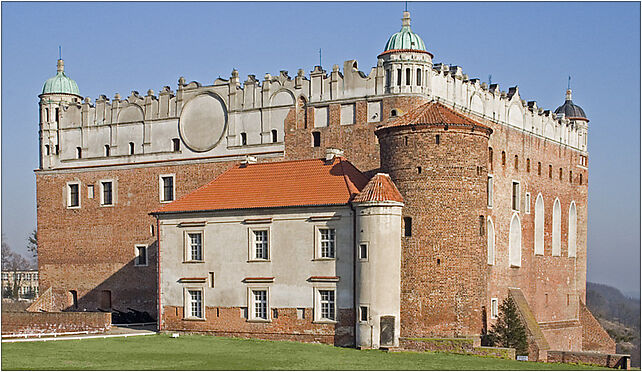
{"x":40,"y":323}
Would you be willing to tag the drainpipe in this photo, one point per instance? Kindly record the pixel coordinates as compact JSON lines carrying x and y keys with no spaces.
{"x":158,"y":273}
{"x":354,"y":271}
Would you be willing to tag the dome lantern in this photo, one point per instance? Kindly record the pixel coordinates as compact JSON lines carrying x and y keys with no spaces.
{"x":571,"y":110}
{"x":60,"y":83}
{"x":405,"y":39}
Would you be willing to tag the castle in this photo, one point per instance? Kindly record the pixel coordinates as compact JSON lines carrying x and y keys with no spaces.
{"x":483,"y":196}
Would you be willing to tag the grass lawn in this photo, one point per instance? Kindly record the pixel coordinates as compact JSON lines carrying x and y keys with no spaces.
{"x":196,"y":352}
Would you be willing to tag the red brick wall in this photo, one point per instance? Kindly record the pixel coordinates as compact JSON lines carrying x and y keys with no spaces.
{"x":229,"y":322}
{"x":594,"y":337}
{"x":29,"y":323}
{"x":443,"y":272}
{"x":618,"y":361}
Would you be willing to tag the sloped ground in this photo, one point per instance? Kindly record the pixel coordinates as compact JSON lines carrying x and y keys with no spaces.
{"x":195,"y":352}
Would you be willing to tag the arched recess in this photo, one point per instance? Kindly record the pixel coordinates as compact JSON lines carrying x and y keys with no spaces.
{"x":572,"y":230}
{"x":476,"y":104}
{"x":515,"y":116}
{"x":515,"y":242}
{"x":539,"y":225}
{"x":281,"y":98}
{"x":301,"y":113}
{"x":490,"y":232}
{"x":557,"y":228}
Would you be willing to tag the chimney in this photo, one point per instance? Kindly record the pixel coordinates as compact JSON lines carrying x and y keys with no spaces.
{"x":248,"y":160}
{"x":331,"y":153}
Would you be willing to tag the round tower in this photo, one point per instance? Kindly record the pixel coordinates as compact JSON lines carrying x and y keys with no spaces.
{"x":437,"y":158}
{"x":406,"y":62}
{"x":575,"y":114}
{"x":58,"y":93}
{"x":378,"y":263}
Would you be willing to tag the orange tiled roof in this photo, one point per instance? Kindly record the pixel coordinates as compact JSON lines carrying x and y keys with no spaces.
{"x":380,"y":188}
{"x":434,"y":113}
{"x":277,"y":184}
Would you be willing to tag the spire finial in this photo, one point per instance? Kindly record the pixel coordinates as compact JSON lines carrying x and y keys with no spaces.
{"x":406,"y":8}
{"x":59,"y":52}
{"x":568,"y":90}
{"x":405,"y":21}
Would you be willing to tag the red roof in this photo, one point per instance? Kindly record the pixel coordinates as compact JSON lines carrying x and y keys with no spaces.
{"x":277,"y":184}
{"x":380,"y":188}
{"x":434,"y":113}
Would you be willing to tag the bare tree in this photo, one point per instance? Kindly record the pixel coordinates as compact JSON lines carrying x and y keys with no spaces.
{"x":12,"y":261}
{"x":32,"y":244}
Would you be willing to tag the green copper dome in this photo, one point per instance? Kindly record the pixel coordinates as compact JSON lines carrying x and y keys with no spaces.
{"x":60,"y":83}
{"x":405,"y":38}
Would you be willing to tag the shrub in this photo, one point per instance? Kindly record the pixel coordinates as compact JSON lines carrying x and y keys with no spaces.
{"x":509,"y":331}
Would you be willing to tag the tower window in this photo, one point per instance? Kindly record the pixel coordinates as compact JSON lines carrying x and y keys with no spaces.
{"x":418,"y":76}
{"x":560,"y":174}
{"x":437,"y":139}
{"x":489,"y":192}
{"x":528,"y":165}
{"x":47,"y":115}
{"x":274,"y":136}
{"x":418,"y":170}
{"x":580,"y":178}
{"x":243,"y":139}
{"x":516,"y":162}
{"x":316,"y":139}
{"x":46,"y":149}
{"x":405,"y":141}
{"x":78,"y":153}
{"x":539,"y":168}
{"x":570,"y":176}
{"x":515,"y":198}
{"x":398,"y":76}
{"x":57,"y":114}
{"x":490,"y":157}
{"x":106,"y":150}
{"x":503,"y":157}
{"x":481,"y":225}
{"x":407,"y":226}
{"x":131,"y":148}
{"x":393,"y":113}
{"x":407,"y":76}
{"x":176,"y":144}
{"x":550,"y":171}
{"x":387,"y":78}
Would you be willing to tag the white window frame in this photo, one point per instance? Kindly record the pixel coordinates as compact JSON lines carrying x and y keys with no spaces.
{"x":90,"y":191}
{"x":361,"y":307}
{"x":519,"y":196}
{"x":187,"y":303}
{"x":251,"y":303}
{"x":317,"y":305}
{"x":251,"y":253}
{"x":490,"y":241}
{"x":187,"y":248}
{"x":527,"y":203}
{"x":136,"y":255}
{"x":68,"y":193}
{"x":102,"y":192}
{"x":490,"y":191}
{"x":317,"y":242}
{"x":359,"y":256}
{"x":161,"y":189}
{"x":494,"y":308}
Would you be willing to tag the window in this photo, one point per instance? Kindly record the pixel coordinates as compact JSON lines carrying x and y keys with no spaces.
{"x":503,"y":158}
{"x":490,"y":157}
{"x":259,"y":244}
{"x":363,"y":314}
{"x":489,"y":192}
{"x":387,"y":78}
{"x":106,"y":194}
{"x":57,"y":149}
{"x":107,"y":150}
{"x":73,"y":195}
{"x":243,"y":139}
{"x":393,"y":113}
{"x":539,"y":225}
{"x":437,"y":139}
{"x":560,"y":174}
{"x":550,"y":171}
{"x":407,"y":226}
{"x":515,"y":242}
{"x":258,"y":304}
{"x":90,"y":191}
{"x":527,"y":203}
{"x":515,"y":198}
{"x":493,"y":308}
{"x":166,"y":184}
{"x":47,"y":150}
{"x":572,"y":230}
{"x":327,"y":243}
{"x":580,"y":178}
{"x":491,"y":241}
{"x":176,"y":144}
{"x":141,"y":255}
{"x":78,"y":153}
{"x":570,"y":176}
{"x":418,"y":76}
{"x":5,"y":276}
{"x":516,"y":162}
{"x":326,"y":305}
{"x":274,"y":136}
{"x":74,"y":299}
{"x":316,"y":139}
{"x":482,"y":222}
{"x":539,"y":168}
{"x":194,"y":246}
{"x":194,"y":303}
{"x":131,"y":148}
{"x":407,"y":76}
{"x":47,"y":115}
{"x":399,"y":77}
{"x":363,"y":251}
{"x":418,"y":170}
{"x":405,"y":141}
{"x":557,"y":228}
{"x":57,"y":114}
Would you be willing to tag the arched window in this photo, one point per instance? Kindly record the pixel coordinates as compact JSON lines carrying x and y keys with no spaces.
{"x":550,"y":171}
{"x":106,"y":150}
{"x":393,"y":113}
{"x":407,"y":76}
{"x":515,"y":242}
{"x":398,"y":77}
{"x":528,"y":165}
{"x":46,"y":115}
{"x":274,"y":136}
{"x":78,"y":153}
{"x":176,"y":144}
{"x":387,"y":78}
{"x":539,"y":168}
{"x":570,"y":176}
{"x":437,"y":139}
{"x":490,"y":157}
{"x":243,"y":139}
{"x":572,"y":230}
{"x":557,"y":228}
{"x":131,"y":148}
{"x":580,"y":178}
{"x":539,"y":225}
{"x":503,"y":157}
{"x":490,"y":227}
{"x":516,"y":162}
{"x":560,"y":174}
{"x":57,"y":114}
{"x":418,"y":76}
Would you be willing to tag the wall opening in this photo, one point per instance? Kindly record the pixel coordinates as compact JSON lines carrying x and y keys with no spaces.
{"x":407,"y":76}
{"x":516,"y":162}
{"x":274,"y":136}
{"x":78,"y":153}
{"x":490,"y":241}
{"x":515,"y":242}
{"x":407,"y":226}
{"x":437,"y":139}
{"x":557,"y":228}
{"x":176,"y":144}
{"x":503,"y":157}
{"x":107,"y":150}
{"x":46,"y":149}
{"x":419,"y":76}
{"x":490,"y":157}
{"x":528,"y":165}
{"x":243,"y":139}
{"x":572,"y":230}
{"x":316,"y":139}
{"x":131,"y":148}
{"x":539,"y":225}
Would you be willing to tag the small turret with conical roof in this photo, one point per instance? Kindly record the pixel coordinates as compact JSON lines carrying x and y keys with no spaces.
{"x":576,"y":117}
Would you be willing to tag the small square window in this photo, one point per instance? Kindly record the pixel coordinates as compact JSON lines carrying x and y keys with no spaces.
{"x":193,"y":246}
{"x":363,"y":251}
{"x":73,"y":195}
{"x":300,"y":313}
{"x":166,"y":186}
{"x":141,"y":255}
{"x":493,"y":308}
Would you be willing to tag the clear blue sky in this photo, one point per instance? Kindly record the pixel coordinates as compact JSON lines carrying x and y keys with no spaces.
{"x":120,"y":47}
